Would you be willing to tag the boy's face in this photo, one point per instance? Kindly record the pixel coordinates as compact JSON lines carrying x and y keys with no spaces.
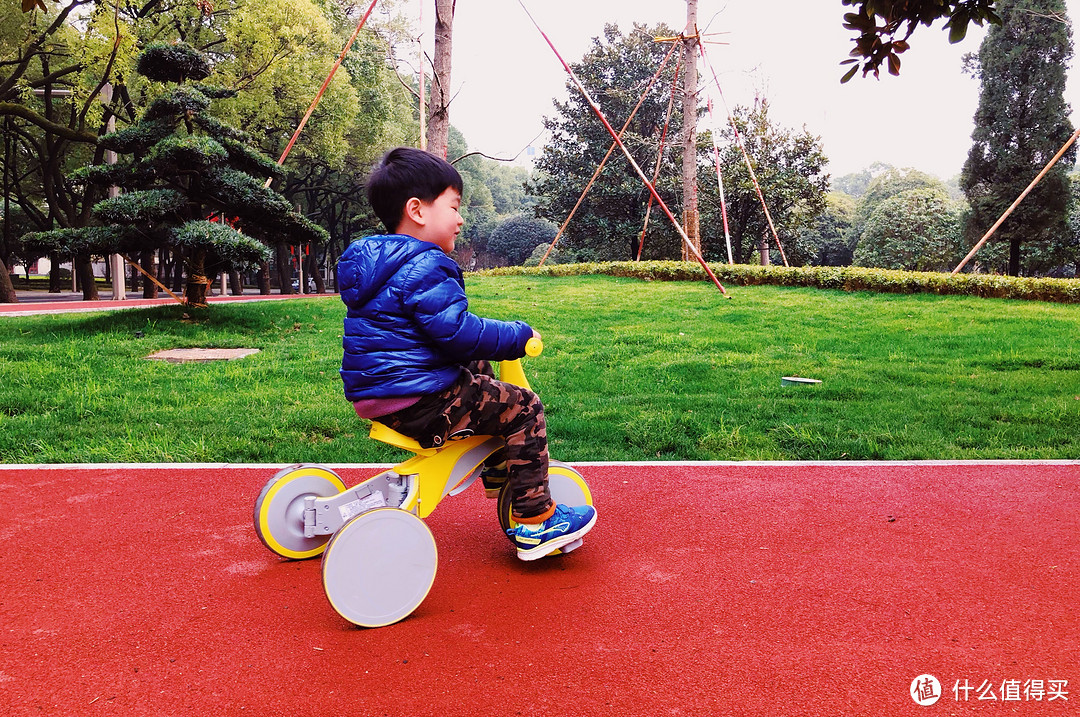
{"x":442,"y":222}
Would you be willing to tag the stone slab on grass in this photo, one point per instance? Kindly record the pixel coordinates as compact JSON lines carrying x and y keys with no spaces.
{"x":187,"y":355}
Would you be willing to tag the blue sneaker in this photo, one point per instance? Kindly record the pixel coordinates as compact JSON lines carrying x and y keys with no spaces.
{"x":562,"y":530}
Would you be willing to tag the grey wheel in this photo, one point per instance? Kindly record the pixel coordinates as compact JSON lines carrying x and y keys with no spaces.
{"x":379,"y":567}
{"x":279,"y":510}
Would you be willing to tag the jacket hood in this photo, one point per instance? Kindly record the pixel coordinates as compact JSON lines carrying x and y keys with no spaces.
{"x":368,"y":264}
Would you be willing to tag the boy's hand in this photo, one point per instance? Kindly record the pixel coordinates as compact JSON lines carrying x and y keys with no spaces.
{"x":536,"y":334}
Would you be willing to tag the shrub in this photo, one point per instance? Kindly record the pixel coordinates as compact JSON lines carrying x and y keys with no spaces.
{"x":516,"y":237}
{"x":845,"y":278}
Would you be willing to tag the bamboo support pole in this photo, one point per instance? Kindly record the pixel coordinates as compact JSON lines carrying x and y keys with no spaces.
{"x":607,"y":156}
{"x":629,"y":157}
{"x":999,"y":222}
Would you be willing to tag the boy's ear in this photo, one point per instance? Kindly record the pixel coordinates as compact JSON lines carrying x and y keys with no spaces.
{"x":414,"y":210}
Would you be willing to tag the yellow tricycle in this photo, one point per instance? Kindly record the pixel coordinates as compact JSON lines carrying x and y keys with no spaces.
{"x":379,"y":557}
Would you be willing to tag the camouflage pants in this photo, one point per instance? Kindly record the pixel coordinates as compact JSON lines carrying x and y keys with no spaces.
{"x":477,"y":403}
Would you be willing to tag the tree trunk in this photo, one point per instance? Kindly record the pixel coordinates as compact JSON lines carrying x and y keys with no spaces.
{"x":148,"y":261}
{"x":85,"y":270}
{"x":7,"y":291}
{"x":315,"y":273}
{"x":236,"y":283}
{"x":691,"y":222}
{"x":438,"y":131}
{"x":178,"y":270}
{"x":284,"y":268}
{"x":1014,"y":257}
{"x":333,"y":252}
{"x":55,"y":282}
{"x":264,"y":278}
{"x":197,"y":283}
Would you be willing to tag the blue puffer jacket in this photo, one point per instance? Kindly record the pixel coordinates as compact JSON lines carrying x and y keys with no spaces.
{"x":408,"y":328}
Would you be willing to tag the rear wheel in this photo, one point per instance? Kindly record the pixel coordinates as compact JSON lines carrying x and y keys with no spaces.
{"x":567,"y":487}
{"x":279,"y":510}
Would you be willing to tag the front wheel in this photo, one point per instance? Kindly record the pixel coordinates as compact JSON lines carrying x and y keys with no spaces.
{"x":567,"y":487}
{"x":379,"y":567}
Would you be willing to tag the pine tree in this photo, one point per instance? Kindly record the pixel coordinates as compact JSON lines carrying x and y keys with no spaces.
{"x":189,"y":181}
{"x":1021,"y":122}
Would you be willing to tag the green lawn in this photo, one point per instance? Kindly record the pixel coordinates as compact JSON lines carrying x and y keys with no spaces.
{"x":632,"y":371}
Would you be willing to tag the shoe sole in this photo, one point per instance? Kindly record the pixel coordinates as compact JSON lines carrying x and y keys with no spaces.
{"x":551,"y":546}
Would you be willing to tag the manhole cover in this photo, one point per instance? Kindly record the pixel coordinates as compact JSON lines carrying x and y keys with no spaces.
{"x":186,"y":355}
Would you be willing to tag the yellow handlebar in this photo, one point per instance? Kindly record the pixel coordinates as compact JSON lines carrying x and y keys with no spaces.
{"x":511,"y":372}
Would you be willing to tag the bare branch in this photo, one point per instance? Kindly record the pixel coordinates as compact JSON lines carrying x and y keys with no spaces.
{"x":501,"y":159}
{"x":54,"y":76}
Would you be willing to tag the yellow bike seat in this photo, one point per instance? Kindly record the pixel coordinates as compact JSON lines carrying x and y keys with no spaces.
{"x":388,"y":435}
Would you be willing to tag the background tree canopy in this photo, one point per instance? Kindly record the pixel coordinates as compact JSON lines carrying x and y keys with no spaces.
{"x":186,"y":168}
{"x":1021,"y":123}
{"x":914,"y":230}
{"x":789,"y":164}
{"x":56,"y":61}
{"x":790,"y":168}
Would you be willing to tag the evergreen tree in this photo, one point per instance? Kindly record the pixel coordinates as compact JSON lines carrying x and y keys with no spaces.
{"x":1021,"y":122}
{"x":190,"y":178}
{"x":616,"y":71}
{"x":514,"y":239}
{"x":884,"y":186}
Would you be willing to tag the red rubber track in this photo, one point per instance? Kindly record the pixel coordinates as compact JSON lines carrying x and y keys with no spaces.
{"x":738,"y":589}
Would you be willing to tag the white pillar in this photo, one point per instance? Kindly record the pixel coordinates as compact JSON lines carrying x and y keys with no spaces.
{"x":119,"y":277}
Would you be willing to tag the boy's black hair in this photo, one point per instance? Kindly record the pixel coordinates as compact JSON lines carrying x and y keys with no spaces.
{"x":404,"y":173}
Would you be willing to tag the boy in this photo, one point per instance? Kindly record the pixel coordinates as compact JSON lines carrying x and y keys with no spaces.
{"x":411,"y":346}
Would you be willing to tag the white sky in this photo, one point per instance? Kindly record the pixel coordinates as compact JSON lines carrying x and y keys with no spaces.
{"x":506,"y":77}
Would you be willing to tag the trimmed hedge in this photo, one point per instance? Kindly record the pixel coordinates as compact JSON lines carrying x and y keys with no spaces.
{"x":173,"y":63}
{"x":239,"y":250}
{"x":142,"y":206}
{"x":844,"y":278}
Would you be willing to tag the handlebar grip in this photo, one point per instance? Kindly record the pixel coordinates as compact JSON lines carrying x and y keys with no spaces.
{"x":534,"y":347}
